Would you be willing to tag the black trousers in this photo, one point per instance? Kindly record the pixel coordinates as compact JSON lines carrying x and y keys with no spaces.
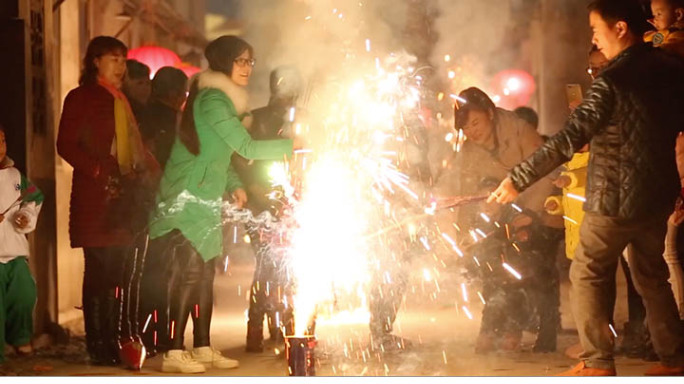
{"x":507,"y":310}
{"x":191,"y":292}
{"x":545,"y":287}
{"x":103,"y":284}
{"x":511,"y":305}
{"x":154,"y":296}
{"x":269,"y":292}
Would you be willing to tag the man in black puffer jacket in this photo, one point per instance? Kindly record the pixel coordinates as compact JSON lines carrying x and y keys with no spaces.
{"x":630,"y":117}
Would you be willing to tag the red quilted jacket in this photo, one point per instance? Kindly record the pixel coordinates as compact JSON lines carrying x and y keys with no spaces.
{"x":86,"y":132}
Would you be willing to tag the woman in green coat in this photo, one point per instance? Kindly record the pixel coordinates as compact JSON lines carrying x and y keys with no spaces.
{"x":198,"y":173}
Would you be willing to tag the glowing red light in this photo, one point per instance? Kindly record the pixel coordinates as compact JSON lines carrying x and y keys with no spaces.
{"x":155,"y":57}
{"x":515,"y":88}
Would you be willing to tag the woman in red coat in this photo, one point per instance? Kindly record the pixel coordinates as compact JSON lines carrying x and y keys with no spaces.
{"x":99,"y":138}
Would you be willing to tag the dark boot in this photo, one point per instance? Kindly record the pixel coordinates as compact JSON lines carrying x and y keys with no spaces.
{"x":547,"y":336}
{"x":110,"y":312}
{"x":545,"y":343}
{"x":635,"y":340}
{"x":93,"y":328}
{"x":255,"y":338}
{"x":96,"y":338}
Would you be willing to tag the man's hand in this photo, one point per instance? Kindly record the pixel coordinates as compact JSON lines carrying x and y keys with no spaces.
{"x":21,"y":221}
{"x":562,"y":181}
{"x":240,"y":197}
{"x":573,"y":105}
{"x":505,"y":193}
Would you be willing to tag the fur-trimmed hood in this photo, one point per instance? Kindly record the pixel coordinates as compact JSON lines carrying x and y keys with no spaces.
{"x":218,"y":80}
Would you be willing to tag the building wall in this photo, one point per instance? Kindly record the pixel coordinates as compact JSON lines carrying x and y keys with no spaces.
{"x":40,"y":157}
{"x":69,"y":261}
{"x":563,"y":39}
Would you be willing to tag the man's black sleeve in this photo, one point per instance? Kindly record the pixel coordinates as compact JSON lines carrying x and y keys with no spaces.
{"x":589,"y":119}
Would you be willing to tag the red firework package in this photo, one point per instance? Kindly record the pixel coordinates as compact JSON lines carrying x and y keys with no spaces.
{"x":132,"y":354}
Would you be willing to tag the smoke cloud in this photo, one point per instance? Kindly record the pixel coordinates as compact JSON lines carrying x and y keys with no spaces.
{"x":314,"y":35}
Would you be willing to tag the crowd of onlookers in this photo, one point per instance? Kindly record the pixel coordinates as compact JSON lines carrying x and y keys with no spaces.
{"x":153,"y":161}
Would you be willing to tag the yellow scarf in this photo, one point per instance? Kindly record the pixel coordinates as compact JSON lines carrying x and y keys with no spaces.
{"x":127,"y":147}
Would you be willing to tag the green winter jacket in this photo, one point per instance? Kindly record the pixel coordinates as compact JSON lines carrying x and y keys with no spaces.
{"x":191,"y":191}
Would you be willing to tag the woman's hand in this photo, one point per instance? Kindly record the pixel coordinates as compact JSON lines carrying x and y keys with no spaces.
{"x":676,"y":217}
{"x":240,"y":197}
{"x":298,"y":142}
{"x":505,"y":193}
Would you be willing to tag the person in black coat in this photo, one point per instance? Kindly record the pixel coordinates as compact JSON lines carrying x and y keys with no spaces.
{"x":158,"y":122}
{"x":631,"y":117}
{"x":158,"y":129}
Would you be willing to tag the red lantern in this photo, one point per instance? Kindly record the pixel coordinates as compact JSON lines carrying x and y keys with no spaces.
{"x":514,"y":87}
{"x":188,"y":69}
{"x":155,"y":57}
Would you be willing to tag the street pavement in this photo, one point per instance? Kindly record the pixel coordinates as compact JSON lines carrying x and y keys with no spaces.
{"x":442,"y":336}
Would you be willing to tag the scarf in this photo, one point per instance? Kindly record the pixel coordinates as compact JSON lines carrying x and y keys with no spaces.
{"x":127,"y":146}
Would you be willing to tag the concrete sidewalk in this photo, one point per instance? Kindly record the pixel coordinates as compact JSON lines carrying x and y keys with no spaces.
{"x":443,"y":341}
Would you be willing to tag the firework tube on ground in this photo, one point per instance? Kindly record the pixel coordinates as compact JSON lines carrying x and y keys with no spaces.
{"x":300,"y":355}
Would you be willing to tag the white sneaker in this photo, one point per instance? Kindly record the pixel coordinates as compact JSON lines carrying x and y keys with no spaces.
{"x":209,"y":355}
{"x":180,"y":361}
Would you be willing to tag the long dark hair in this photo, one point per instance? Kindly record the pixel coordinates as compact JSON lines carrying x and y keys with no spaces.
{"x":221,"y":54}
{"x":99,"y":47}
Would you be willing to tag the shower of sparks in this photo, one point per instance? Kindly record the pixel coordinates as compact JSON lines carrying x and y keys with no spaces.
{"x":512,"y":271}
{"x":465,"y":292}
{"x":467,"y":312}
{"x":570,"y":220}
{"x":613,"y":330}
{"x":147,"y":322}
{"x":426,"y":275}
{"x":351,"y":199}
{"x":577,"y":197}
{"x":458,"y":98}
{"x":334,"y":202}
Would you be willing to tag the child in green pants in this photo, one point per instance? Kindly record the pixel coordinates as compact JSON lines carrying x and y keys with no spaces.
{"x":20,"y":203}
